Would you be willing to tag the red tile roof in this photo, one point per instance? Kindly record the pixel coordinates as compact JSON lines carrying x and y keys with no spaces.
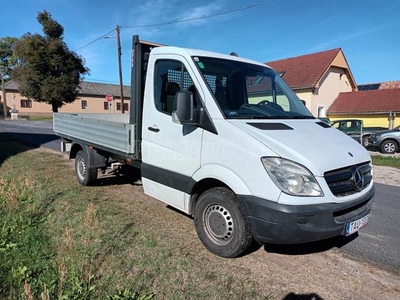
{"x":374,"y":101}
{"x":305,"y":71}
{"x":390,"y":85}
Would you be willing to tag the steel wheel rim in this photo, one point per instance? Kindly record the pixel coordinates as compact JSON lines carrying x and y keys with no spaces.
{"x":81,"y":168}
{"x":218,"y":223}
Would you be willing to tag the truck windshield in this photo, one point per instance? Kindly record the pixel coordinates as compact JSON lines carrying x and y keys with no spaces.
{"x":247,"y":91}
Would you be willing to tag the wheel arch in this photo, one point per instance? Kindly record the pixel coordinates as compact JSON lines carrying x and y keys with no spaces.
{"x":205,"y":179}
{"x":95,"y":159}
{"x":390,"y":138}
{"x":75,"y":148}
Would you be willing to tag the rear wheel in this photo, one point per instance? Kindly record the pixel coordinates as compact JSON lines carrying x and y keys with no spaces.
{"x":84,"y":173}
{"x":221,"y":223}
{"x":365,"y":141}
{"x":389,"y":147}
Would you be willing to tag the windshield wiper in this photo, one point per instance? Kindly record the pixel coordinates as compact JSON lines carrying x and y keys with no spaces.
{"x":296,"y":117}
{"x":253,"y":117}
{"x":303,"y":117}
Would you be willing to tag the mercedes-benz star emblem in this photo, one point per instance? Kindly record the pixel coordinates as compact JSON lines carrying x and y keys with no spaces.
{"x":358,"y":178}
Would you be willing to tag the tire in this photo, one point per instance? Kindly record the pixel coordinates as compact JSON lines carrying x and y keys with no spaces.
{"x":221,"y":223}
{"x":84,"y":173}
{"x":389,"y":147}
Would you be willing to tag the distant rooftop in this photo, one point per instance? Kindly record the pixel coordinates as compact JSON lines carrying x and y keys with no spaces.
{"x":395,"y":84}
{"x":88,"y":88}
{"x":367,"y":101}
{"x":307,"y":70}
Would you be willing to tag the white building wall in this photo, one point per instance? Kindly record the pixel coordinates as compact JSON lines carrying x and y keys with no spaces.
{"x":333,"y":82}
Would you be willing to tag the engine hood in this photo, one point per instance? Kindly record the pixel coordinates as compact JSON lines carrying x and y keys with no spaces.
{"x":386,"y":131}
{"x":314,"y":144}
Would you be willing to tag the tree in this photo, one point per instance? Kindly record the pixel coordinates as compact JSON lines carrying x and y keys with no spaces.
{"x":8,"y":61}
{"x":49,"y":71}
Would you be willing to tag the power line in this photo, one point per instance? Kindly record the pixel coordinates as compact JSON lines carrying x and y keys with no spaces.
{"x":103,"y":36}
{"x":203,"y":17}
{"x":94,"y":80}
{"x":184,"y":20}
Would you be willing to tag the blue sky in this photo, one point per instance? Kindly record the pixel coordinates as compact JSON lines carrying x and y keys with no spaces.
{"x":368,"y":31}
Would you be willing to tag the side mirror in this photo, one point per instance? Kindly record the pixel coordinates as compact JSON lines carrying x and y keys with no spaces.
{"x":183,"y":111}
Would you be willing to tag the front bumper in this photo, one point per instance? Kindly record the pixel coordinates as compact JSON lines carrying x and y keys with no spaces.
{"x":274,"y":223}
{"x":374,"y":142}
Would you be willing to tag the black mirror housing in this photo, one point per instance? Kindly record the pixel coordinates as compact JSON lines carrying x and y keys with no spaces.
{"x":183,"y":111}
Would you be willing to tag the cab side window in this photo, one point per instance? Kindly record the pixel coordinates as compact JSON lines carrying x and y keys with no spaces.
{"x":171,"y":77}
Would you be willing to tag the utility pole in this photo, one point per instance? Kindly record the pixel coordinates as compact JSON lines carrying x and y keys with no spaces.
{"x":4,"y":93}
{"x":121,"y":86}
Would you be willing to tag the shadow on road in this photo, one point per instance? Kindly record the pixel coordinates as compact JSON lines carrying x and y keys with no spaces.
{"x":12,"y":143}
{"x":309,"y":248}
{"x":10,"y":146}
{"x":32,"y":139}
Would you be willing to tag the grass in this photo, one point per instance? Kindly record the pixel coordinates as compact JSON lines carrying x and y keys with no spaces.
{"x":389,"y":161}
{"x":59,"y":240}
{"x":40,"y":117}
{"x":31,"y":117}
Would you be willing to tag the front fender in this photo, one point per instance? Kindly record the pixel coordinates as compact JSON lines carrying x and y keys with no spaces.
{"x":223,"y":174}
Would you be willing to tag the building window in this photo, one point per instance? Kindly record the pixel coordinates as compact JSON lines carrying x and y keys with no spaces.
{"x":106,"y":105}
{"x":26,"y":103}
{"x":125,"y":106}
{"x":84,"y":104}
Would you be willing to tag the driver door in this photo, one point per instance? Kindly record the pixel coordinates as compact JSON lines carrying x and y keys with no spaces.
{"x":170,"y":151}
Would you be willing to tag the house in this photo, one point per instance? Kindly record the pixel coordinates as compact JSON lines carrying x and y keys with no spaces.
{"x":377,"y":104}
{"x":317,"y":78}
{"x":91,"y":99}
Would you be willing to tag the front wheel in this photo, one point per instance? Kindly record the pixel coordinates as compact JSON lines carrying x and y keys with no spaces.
{"x":84,"y":173}
{"x":389,"y":147}
{"x":221,"y":223}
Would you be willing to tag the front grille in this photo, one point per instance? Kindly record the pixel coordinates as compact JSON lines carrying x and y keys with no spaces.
{"x":346,"y":181}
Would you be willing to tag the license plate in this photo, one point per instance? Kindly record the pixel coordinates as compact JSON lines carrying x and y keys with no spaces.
{"x":355,"y":226}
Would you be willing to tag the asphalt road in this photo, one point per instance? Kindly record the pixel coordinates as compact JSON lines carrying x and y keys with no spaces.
{"x":35,"y":133}
{"x":378,"y":242}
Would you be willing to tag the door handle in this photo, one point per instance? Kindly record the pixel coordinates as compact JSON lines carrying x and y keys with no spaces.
{"x":154,"y":129}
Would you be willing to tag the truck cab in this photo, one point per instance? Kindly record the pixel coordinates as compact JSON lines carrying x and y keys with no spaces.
{"x":355,"y":129}
{"x":233,"y":127}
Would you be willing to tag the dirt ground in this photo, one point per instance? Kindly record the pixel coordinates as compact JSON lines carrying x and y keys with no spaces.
{"x":387,"y":175}
{"x":282,"y":273}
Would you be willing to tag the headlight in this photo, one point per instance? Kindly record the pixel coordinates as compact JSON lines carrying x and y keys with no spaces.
{"x":291,"y":178}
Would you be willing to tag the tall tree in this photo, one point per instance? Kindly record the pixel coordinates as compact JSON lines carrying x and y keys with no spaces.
{"x":49,"y":72}
{"x":8,"y":61}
